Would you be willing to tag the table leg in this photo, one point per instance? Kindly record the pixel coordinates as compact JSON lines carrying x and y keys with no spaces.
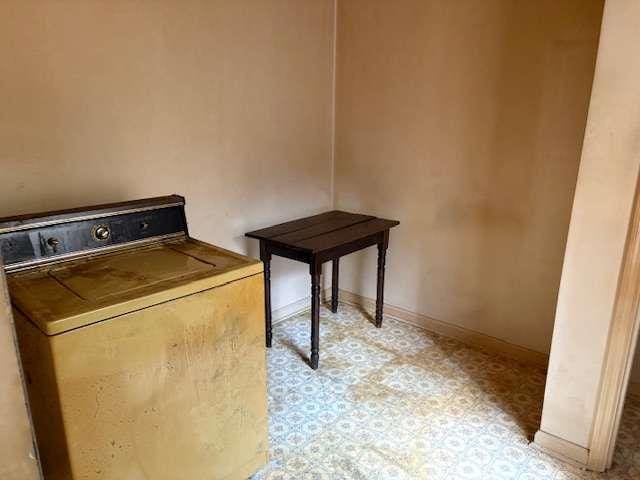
{"x":315,"y":269}
{"x":265,"y":256}
{"x":335,"y":271}
{"x":382,"y":254}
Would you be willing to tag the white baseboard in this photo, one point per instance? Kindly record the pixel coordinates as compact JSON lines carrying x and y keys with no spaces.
{"x":469,"y":337}
{"x":296,"y":308}
{"x":561,"y":449}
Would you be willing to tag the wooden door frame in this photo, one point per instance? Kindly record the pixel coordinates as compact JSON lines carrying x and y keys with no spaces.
{"x":619,"y":354}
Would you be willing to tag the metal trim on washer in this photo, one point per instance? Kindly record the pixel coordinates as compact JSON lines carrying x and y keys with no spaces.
{"x":46,"y":223}
{"x":18,"y":267}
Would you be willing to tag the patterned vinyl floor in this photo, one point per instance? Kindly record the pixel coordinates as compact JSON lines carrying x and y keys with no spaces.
{"x":401,"y":403}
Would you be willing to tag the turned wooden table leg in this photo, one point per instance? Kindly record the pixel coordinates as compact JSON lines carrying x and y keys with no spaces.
{"x":265,"y":256}
{"x":335,"y":272}
{"x":315,"y":314}
{"x":382,"y":254}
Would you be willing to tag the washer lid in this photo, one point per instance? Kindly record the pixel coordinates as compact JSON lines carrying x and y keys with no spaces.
{"x":78,"y":293}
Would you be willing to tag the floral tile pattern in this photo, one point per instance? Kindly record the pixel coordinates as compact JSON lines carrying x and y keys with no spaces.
{"x":399,"y":403}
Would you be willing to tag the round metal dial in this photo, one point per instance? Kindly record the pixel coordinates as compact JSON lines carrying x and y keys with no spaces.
{"x":101,"y":232}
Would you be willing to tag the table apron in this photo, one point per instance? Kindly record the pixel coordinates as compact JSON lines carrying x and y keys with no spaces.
{"x":290,"y":253}
{"x":325,"y":255}
{"x":350,"y":247}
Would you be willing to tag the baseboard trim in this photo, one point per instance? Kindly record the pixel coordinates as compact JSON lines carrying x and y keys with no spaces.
{"x":466,"y":336}
{"x":296,"y":308}
{"x":290,"y":310}
{"x":561,"y":449}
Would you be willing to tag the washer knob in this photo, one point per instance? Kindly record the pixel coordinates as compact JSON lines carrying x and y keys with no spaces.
{"x":53,"y":243}
{"x":101,"y":232}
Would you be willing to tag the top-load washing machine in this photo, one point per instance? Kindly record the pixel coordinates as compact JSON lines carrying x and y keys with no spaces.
{"x":143,"y":349}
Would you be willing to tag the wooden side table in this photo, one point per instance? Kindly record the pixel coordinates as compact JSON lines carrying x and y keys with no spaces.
{"x":318,"y":239}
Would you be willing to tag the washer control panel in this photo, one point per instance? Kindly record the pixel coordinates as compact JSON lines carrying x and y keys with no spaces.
{"x":40,"y":240}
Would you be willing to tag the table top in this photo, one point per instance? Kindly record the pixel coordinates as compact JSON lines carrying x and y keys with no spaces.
{"x":324,"y":231}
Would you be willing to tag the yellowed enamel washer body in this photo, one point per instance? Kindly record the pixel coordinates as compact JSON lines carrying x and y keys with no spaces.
{"x":145,"y":362}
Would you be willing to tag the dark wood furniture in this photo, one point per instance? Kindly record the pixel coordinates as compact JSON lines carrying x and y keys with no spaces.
{"x":318,"y":239}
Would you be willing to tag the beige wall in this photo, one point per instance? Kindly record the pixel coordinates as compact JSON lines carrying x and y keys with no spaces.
{"x":464,"y":120}
{"x":226,"y":102}
{"x":17,"y":453}
{"x":599,"y":224}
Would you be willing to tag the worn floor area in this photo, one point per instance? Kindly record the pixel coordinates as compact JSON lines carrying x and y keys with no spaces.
{"x":401,"y":403}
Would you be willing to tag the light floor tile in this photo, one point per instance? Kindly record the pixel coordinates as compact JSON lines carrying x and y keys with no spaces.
{"x":401,"y":403}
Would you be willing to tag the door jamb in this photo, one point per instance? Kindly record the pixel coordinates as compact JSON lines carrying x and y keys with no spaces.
{"x":621,"y":343}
